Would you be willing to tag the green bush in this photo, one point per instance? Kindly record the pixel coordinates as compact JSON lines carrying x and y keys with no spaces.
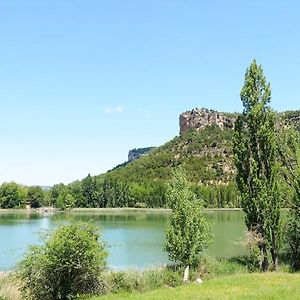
{"x":126,"y":281}
{"x":67,"y":265}
{"x":172,"y":278}
{"x":141,"y":281}
{"x":154,"y":279}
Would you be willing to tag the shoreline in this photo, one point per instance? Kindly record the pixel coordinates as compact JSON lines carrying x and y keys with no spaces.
{"x":51,"y":210}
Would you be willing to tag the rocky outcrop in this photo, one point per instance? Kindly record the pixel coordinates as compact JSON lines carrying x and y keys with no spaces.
{"x":137,"y":153}
{"x":200,"y":118}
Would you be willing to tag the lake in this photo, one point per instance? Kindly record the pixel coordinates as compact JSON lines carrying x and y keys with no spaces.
{"x":135,"y":238}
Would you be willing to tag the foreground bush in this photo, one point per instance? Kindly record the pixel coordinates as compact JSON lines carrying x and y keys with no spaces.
{"x":67,"y":265}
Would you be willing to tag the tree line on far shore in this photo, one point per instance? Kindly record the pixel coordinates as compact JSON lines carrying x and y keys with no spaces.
{"x":97,"y":192}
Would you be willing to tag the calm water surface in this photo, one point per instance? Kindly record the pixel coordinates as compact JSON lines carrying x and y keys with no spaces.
{"x":135,"y":239}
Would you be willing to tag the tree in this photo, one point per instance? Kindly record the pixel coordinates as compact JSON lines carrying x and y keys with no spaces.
{"x":289,"y":150}
{"x":11,"y":195}
{"x":91,"y":191}
{"x":67,"y":265}
{"x":58,"y":190}
{"x":35,"y":196}
{"x":65,"y":201}
{"x":188,"y":233}
{"x":254,"y":147}
{"x":115,"y":193}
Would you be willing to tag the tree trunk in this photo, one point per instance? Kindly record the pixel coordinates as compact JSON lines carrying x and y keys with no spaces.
{"x":274,"y":258}
{"x":265,"y":263}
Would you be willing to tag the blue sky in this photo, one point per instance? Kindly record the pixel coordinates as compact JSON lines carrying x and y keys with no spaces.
{"x":82,"y":82}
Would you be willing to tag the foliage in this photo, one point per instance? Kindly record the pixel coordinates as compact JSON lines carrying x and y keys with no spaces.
{"x":58,"y":190}
{"x":65,"y":201}
{"x":35,"y":196}
{"x":211,"y":267}
{"x":12,"y":195}
{"x":117,"y":282}
{"x":254,"y":146}
{"x":253,"y":241}
{"x":68,"y":264}
{"x":188,"y":233}
{"x":289,"y":145}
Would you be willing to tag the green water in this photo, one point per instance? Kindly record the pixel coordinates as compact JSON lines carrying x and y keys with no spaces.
{"x":135,"y":239}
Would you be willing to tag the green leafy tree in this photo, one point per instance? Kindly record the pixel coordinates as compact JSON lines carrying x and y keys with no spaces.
{"x":254,"y":146}
{"x":35,"y":196}
{"x":11,"y":195}
{"x":188,"y":233}
{"x":65,"y":201}
{"x":57,"y":191}
{"x":91,"y":191}
{"x":67,"y":265}
{"x":115,"y":193}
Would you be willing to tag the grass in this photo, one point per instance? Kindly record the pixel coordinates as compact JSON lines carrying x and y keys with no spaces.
{"x":9,"y":289}
{"x":241,"y":286}
{"x":223,"y":279}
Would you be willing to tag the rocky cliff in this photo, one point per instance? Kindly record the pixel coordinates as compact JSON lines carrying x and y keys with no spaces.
{"x":200,"y":118}
{"x":137,"y":153}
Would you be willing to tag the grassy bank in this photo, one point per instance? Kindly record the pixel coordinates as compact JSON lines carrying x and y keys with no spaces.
{"x":241,"y":286}
{"x":223,"y":279}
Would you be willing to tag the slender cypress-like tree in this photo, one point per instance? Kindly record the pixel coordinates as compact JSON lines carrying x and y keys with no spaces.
{"x":254,"y":146}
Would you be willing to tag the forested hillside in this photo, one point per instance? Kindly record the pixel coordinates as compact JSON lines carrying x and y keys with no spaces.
{"x":204,"y":150}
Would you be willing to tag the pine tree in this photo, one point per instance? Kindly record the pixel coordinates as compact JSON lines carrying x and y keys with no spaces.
{"x":254,"y":146}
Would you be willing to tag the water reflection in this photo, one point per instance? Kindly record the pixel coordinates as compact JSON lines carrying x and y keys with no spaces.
{"x":135,"y":239}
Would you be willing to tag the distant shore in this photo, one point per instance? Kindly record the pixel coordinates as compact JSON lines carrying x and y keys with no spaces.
{"x":29,"y":210}
{"x":103,"y":210}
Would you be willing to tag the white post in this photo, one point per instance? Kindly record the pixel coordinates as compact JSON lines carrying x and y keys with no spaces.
{"x":186,"y":274}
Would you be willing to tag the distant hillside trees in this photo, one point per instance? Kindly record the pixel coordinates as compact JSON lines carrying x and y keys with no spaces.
{"x":92,"y":192}
{"x":255,"y":149}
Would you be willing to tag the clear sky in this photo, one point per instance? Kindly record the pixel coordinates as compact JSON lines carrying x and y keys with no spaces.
{"x":84,"y":81}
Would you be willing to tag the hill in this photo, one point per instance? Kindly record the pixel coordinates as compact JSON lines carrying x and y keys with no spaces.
{"x":203,"y":148}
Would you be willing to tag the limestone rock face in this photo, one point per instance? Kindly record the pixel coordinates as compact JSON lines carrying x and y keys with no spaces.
{"x":137,"y":153}
{"x":199,"y":118}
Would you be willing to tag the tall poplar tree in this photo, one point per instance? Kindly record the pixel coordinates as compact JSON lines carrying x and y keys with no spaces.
{"x":254,"y":146}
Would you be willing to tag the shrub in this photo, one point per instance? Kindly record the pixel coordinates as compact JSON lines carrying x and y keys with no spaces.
{"x":253,"y":242}
{"x":172,"y":278}
{"x":154,"y":279}
{"x":68,"y":264}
